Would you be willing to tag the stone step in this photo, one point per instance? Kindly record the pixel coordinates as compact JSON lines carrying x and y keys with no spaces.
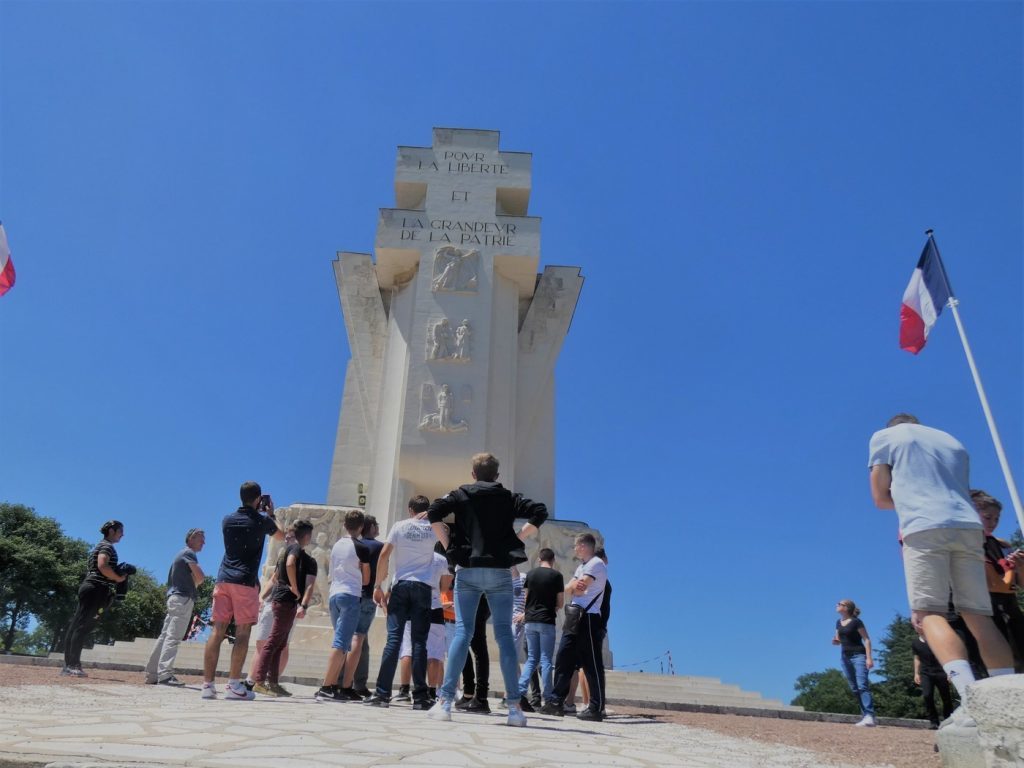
{"x":306,"y":665}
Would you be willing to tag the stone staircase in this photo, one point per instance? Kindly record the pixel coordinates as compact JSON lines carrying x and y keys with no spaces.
{"x":306,"y":665}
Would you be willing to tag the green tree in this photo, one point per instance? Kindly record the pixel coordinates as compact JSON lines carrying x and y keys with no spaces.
{"x":40,"y":569}
{"x":825,"y":692}
{"x":896,"y":695}
{"x":1017,"y":542}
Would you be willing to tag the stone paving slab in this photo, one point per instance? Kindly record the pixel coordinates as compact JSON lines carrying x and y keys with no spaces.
{"x":158,"y":726}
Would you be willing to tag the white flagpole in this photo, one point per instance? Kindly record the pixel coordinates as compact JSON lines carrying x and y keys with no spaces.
{"x":1014,"y":496}
{"x":1007,"y":473}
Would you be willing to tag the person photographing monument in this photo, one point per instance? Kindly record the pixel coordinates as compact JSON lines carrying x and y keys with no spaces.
{"x":922,"y":474}
{"x":484,"y":547}
{"x":237,"y":594}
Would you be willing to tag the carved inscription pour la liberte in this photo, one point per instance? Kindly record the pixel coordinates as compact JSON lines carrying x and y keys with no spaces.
{"x":422,"y":229}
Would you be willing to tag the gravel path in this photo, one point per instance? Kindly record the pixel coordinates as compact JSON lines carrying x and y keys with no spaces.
{"x":785,"y":742}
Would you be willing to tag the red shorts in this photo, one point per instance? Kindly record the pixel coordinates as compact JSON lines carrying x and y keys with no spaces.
{"x":236,"y":600}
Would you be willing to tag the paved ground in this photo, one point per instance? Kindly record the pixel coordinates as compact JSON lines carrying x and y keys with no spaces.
{"x":116,"y":719}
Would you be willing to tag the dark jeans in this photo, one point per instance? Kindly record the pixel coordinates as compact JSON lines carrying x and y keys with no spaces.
{"x":1010,"y":621}
{"x":92,"y":601}
{"x":928,"y":685}
{"x":410,"y":602}
{"x":583,"y":650}
{"x":478,"y":685}
{"x":268,"y":666}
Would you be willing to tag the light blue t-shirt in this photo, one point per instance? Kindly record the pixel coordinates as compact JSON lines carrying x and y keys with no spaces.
{"x":930,"y":477}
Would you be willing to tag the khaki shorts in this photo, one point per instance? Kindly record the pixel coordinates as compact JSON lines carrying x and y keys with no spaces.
{"x":943,"y":559}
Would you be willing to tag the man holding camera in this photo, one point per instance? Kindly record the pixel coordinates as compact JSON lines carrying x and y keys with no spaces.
{"x":237,"y":594}
{"x":183,"y":578}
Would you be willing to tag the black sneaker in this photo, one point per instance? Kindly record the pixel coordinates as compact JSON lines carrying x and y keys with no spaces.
{"x":249,"y":684}
{"x":350,"y":694}
{"x":525,"y":705}
{"x":553,"y":708}
{"x":590,"y":714}
{"x":464,"y":702}
{"x":536,"y":702}
{"x":328,"y":693}
{"x":478,"y":706}
{"x":172,"y":681}
{"x":423,"y":705}
{"x":364,"y":693}
{"x":403,"y":694}
{"x":376,"y":700}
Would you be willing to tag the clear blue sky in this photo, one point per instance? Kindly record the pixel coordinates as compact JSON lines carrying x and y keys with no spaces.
{"x":746,"y":186}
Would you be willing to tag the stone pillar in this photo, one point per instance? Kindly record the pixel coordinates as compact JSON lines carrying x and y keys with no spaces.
{"x":453,"y":334}
{"x":997,"y":705}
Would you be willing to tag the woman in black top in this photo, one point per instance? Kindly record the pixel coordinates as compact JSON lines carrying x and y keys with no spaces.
{"x":852,"y":635}
{"x":94,"y":595}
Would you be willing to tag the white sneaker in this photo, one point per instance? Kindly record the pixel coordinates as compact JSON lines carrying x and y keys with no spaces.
{"x":516,"y":718}
{"x":868,"y":721}
{"x":442,"y":709}
{"x":209,"y":691}
{"x":238,"y":692}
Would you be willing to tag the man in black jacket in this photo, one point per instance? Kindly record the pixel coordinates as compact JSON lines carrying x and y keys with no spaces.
{"x":485,"y":545}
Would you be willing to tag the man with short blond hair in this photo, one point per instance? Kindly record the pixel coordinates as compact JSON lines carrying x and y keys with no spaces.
{"x":485,"y":548}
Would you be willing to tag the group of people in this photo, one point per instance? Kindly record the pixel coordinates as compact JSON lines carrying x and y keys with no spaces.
{"x":961,"y":580}
{"x":449,"y":562}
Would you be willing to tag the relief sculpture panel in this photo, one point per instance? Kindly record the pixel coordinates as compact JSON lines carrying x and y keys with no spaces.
{"x":455,"y":269}
{"x":439,"y":412}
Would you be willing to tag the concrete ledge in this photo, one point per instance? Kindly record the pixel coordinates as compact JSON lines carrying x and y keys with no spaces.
{"x":781,"y":714}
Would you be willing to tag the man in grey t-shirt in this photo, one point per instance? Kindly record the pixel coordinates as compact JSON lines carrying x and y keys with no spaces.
{"x":923,"y":474}
{"x":182,"y":579}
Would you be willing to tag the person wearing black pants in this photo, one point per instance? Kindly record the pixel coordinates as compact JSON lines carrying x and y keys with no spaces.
{"x":583,"y":647}
{"x":928,"y":674}
{"x":475,"y":687}
{"x":94,"y":595}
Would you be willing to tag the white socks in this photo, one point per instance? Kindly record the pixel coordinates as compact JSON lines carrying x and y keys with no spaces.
{"x":960,"y":675}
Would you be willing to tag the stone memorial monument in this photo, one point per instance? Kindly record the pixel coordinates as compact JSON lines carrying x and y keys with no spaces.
{"x":454,"y":334}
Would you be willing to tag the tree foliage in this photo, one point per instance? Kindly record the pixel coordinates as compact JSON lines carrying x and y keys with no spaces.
{"x":41,"y":569}
{"x":825,"y":692}
{"x":896,"y":695}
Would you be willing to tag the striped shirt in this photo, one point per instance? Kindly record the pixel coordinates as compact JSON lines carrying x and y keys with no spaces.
{"x":103,"y":548}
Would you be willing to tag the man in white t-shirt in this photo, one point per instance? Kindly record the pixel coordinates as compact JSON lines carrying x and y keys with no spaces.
{"x":350,"y":570}
{"x":410,"y":544}
{"x":923,"y":474}
{"x":583,"y":647}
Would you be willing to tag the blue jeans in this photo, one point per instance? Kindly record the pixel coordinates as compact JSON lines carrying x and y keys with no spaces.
{"x":409,"y":602}
{"x":856,"y":671}
{"x":470,"y":585}
{"x":344,"y":617}
{"x":367,"y":613}
{"x":540,"y":648}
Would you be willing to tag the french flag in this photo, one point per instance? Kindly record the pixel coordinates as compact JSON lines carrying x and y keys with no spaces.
{"x":6,"y":265}
{"x":924,"y":299}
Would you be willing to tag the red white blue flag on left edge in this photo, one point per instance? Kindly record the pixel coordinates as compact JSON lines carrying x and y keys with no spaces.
{"x":6,"y":265}
{"x":924,"y":299}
